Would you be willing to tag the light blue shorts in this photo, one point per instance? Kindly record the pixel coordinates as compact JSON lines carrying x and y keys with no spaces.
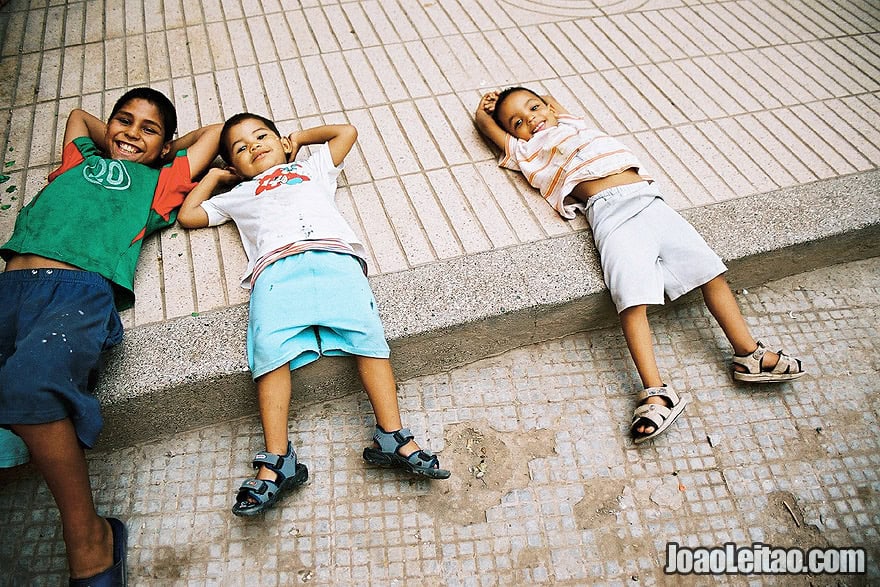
{"x":308,"y":305}
{"x":13,"y":451}
{"x":646,"y":248}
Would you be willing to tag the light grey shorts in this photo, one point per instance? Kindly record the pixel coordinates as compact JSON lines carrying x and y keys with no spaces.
{"x":647,"y":248}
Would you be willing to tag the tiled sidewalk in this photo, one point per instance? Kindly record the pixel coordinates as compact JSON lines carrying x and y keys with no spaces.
{"x":721,"y":99}
{"x":565,"y":497}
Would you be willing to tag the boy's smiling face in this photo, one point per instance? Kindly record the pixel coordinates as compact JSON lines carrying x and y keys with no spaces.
{"x":137,"y":133}
{"x":253,"y":148}
{"x":523,"y":114}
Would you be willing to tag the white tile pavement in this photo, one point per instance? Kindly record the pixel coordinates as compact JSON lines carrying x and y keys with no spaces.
{"x":722,"y":99}
{"x":565,"y":498}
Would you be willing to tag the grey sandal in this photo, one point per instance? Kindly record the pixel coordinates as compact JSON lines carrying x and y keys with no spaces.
{"x":421,"y":462}
{"x":257,"y":495}
{"x":786,"y":369}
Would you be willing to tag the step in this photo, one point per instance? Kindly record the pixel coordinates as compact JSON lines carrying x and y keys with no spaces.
{"x":190,"y":372}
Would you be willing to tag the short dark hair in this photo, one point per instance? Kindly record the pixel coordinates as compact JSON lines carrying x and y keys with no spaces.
{"x":165,"y":107}
{"x":504,"y":94}
{"x":237,"y":119}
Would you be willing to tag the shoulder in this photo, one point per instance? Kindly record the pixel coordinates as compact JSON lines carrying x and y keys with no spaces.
{"x":178,"y":166}
{"x":320,"y":161}
{"x":84,"y":145}
{"x":571,"y":120}
{"x":578,"y":124}
{"x":321,"y":153}
{"x":73,"y":154}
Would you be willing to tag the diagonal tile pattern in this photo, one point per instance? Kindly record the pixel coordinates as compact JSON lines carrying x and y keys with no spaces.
{"x":721,"y":98}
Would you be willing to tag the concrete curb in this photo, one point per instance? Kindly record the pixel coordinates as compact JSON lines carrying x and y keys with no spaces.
{"x":190,"y":372}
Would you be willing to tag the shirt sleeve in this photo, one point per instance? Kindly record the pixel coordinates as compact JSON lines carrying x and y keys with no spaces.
{"x":216,"y":209}
{"x":73,"y":154}
{"x":508,"y":157}
{"x":321,"y":162}
{"x":174,"y":184}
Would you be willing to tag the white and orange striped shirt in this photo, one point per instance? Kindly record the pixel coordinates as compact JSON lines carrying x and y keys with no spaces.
{"x":558,"y":158}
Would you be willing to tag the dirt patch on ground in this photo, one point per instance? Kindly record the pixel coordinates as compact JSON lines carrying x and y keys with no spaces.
{"x":787,"y":528}
{"x":172,"y":563}
{"x":600,"y":505}
{"x":534,"y":558}
{"x":603,"y":510}
{"x":485,"y":465}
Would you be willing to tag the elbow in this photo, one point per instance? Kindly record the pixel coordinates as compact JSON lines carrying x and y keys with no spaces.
{"x":351,"y":132}
{"x":187,"y":219}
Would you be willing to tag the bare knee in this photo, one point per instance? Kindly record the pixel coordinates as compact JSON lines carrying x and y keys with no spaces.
{"x":633,"y":313}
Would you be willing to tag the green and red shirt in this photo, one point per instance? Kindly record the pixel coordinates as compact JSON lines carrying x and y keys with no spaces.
{"x":95,"y":212}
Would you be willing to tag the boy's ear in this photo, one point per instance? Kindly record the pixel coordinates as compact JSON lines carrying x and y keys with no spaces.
{"x":287,"y":146}
{"x":166,"y":148}
{"x":234,"y":171}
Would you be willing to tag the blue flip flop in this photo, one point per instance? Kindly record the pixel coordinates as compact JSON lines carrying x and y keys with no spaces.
{"x":116,"y":575}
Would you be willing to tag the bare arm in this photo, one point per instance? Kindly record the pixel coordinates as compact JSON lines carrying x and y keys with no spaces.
{"x":339,"y":137}
{"x":486,"y":124}
{"x":191,"y":214}
{"x":201,"y":148}
{"x":82,"y":124}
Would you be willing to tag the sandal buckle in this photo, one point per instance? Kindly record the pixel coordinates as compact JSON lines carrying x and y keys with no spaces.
{"x":258,"y":486}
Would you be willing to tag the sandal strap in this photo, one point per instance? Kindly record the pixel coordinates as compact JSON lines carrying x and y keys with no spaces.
{"x":785,"y":364}
{"x":424,"y":458}
{"x":269,"y":460}
{"x":653,"y":412}
{"x":663,"y":391}
{"x":282,"y":465}
{"x":257,"y":487}
{"x":392,"y":441}
{"x":752,"y":362}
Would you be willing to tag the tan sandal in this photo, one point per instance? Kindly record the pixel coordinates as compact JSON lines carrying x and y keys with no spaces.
{"x":659,"y":416}
{"x":786,"y":369}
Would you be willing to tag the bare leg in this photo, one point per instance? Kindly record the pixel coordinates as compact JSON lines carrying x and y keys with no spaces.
{"x":58,"y":456}
{"x":722,"y":305}
{"x":274,"y":391}
{"x":637,"y":332}
{"x":377,"y":378}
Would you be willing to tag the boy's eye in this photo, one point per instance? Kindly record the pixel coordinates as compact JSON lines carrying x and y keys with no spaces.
{"x":517,"y":124}
{"x":150,"y":130}
{"x":535,"y":107}
{"x":240,"y":149}
{"x":261,"y":136}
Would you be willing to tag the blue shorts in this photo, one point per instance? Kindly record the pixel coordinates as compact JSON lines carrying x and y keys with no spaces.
{"x":13,"y":451}
{"x":646,"y":248}
{"x":308,"y":305}
{"x":54,"y":325}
